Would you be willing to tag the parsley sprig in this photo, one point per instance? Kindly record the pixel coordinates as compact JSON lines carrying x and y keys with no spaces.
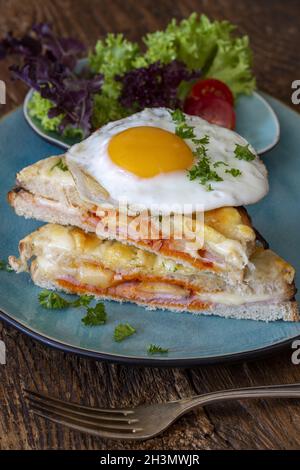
{"x":154,"y":349}
{"x":123,"y":331}
{"x":219,"y":163}
{"x":61,"y":165}
{"x":242,"y":152}
{"x":234,"y":172}
{"x":182,"y":129}
{"x":82,"y":301}
{"x":53,"y":301}
{"x":5,"y":266}
{"x":95,"y":315}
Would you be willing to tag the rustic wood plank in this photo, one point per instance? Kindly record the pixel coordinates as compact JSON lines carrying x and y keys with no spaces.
{"x":274,"y":34}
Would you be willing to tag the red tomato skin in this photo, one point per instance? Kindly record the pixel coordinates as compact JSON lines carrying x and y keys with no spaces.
{"x":212,"y":109}
{"x":214,"y":88}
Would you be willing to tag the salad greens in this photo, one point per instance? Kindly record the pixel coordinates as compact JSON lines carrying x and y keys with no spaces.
{"x":128,"y":75}
{"x":209,"y":45}
{"x":111,"y":57}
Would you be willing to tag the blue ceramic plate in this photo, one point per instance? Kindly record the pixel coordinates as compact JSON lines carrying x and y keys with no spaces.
{"x":191,"y":339}
{"x":255,"y":118}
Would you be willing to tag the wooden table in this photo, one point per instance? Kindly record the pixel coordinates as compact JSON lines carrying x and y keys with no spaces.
{"x":275,"y":35}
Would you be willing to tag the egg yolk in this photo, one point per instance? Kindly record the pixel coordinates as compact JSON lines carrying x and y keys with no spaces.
{"x":148,"y":151}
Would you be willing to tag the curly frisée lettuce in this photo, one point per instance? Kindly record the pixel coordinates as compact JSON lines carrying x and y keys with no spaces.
{"x":195,"y":42}
{"x":203,"y":44}
{"x":112,"y":56}
{"x":231,"y":65}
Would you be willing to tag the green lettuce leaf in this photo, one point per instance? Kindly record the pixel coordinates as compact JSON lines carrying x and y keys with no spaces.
{"x":112,"y":56}
{"x":232,"y":65}
{"x":208,"y":45}
{"x":39,"y":107}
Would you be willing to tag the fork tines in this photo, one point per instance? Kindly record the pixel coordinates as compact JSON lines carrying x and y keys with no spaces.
{"x":111,"y":423}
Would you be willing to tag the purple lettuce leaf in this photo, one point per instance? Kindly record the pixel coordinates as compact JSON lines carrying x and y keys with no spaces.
{"x":48,"y":65}
{"x":154,"y":86}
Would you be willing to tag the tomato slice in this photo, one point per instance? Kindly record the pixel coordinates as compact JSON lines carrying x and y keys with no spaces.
{"x":213,"y":88}
{"x":214,"y":110}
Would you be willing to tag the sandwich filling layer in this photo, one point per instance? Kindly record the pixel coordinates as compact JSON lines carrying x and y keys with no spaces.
{"x":80,"y":262}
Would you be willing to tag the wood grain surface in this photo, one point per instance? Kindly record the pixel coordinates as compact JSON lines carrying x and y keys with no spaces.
{"x":273,"y":27}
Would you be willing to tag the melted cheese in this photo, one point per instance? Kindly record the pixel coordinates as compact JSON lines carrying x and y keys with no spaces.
{"x":64,"y":254}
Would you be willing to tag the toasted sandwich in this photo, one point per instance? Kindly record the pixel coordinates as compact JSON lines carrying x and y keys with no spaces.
{"x":46,"y":192}
{"x":89,"y":246}
{"x":71,"y":260}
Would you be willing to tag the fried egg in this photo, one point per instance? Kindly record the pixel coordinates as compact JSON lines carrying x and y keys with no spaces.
{"x":140,"y":161}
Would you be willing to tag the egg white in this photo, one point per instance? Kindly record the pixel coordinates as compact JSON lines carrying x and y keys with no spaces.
{"x":172,"y":191}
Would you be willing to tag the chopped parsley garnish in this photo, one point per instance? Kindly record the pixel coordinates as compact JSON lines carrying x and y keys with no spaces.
{"x":83,"y":301}
{"x":95,"y":315}
{"x":154,"y":349}
{"x":203,"y":141}
{"x":52,"y":300}
{"x":182,"y":129}
{"x":122,"y":331}
{"x":61,"y":165}
{"x":234,"y":172}
{"x":242,"y":152}
{"x":219,"y":163}
{"x":201,"y":151}
{"x":178,"y":116}
{"x":5,"y":266}
{"x":202,"y":169}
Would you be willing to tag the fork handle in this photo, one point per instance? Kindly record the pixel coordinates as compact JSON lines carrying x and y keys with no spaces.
{"x":269,"y":391}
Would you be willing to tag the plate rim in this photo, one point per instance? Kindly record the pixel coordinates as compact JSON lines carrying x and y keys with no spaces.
{"x":35,"y":128}
{"x":259,"y":94}
{"x":145,"y":361}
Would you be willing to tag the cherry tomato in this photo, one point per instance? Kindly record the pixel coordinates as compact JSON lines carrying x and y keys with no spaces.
{"x":214,"y":110}
{"x":213,"y":88}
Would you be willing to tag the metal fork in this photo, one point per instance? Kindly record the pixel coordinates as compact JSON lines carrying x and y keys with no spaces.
{"x":145,"y":421}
